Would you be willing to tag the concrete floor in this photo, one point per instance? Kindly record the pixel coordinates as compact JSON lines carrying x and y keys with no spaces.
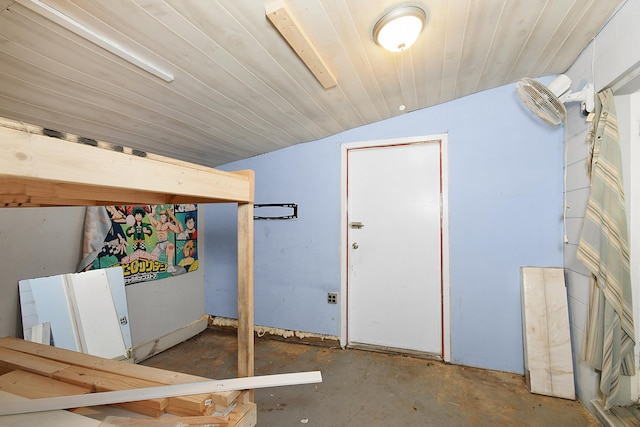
{"x":366,"y":389}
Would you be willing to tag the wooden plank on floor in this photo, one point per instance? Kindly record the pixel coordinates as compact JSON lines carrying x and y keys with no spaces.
{"x":93,"y":362}
{"x":245,"y":415}
{"x":140,"y":408}
{"x":198,"y":420}
{"x":546,"y":334}
{"x":183,"y":412}
{"x":33,"y":386}
{"x":135,"y":395}
{"x":196,"y":404}
{"x":11,"y":360}
{"x":101,"y":381}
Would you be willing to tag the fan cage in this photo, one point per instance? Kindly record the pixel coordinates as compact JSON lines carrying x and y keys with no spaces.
{"x":541,"y":101}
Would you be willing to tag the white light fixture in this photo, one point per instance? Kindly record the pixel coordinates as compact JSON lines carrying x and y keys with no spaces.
{"x":74,"y":26}
{"x":399,"y":28}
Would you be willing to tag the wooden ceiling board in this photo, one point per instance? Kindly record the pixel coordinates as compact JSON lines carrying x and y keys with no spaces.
{"x":214,"y":70}
{"x":240,"y":90}
{"x":286,"y":78}
{"x":383,"y":68}
{"x":208,"y":98}
{"x":511,"y":37}
{"x":428,"y":53}
{"x":329,"y":45}
{"x":149,"y":85}
{"x":557,"y":40}
{"x":538,"y":46}
{"x":479,"y":39}
{"x":588,"y":25}
{"x":287,"y":75}
{"x":457,"y":14}
{"x":346,"y":51}
{"x":39,"y":63}
{"x":36,"y":31}
{"x":95,"y":106}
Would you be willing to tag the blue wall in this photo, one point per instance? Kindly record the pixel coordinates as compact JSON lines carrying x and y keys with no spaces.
{"x":505,"y":211}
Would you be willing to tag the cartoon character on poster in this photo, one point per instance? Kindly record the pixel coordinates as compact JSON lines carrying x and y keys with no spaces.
{"x":150,"y":242}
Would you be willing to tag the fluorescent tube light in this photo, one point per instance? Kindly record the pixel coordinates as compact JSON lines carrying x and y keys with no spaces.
{"x":74,"y":26}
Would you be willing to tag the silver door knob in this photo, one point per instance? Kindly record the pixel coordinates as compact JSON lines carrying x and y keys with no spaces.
{"x":354,"y":245}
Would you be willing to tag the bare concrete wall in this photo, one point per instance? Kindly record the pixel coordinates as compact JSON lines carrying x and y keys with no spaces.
{"x":39,"y":242}
{"x":34,"y":242}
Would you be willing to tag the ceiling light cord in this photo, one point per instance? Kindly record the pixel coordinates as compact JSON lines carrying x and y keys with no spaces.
{"x":399,"y":75}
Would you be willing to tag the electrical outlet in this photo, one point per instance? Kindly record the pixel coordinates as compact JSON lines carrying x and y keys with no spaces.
{"x":332,"y":298}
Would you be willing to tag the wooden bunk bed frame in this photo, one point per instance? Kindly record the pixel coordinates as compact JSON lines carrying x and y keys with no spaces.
{"x":38,"y":170}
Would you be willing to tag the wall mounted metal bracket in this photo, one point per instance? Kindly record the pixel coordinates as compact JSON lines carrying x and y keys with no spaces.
{"x":275,"y":207}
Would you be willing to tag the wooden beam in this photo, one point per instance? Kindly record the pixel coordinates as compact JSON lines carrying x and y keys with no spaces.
{"x":12,"y":360}
{"x":245,"y":290}
{"x":16,"y":353}
{"x":135,"y":395}
{"x":33,"y":386}
{"x":105,"y":381}
{"x":246,"y":344}
{"x":23,"y":192}
{"x":286,"y":24}
{"x":197,"y":420}
{"x":59,"y":172}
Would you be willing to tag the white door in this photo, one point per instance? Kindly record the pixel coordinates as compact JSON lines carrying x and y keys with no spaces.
{"x":394,"y":285}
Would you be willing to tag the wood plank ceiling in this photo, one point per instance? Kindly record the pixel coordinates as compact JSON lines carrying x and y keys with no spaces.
{"x":240,"y":90}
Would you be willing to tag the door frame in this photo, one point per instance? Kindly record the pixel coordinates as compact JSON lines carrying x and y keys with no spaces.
{"x":444,"y":172}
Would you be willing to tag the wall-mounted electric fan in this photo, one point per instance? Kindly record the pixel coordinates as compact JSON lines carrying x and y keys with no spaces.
{"x":547,"y":102}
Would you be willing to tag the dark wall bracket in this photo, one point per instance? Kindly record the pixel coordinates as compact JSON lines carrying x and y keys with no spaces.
{"x":274,"y":211}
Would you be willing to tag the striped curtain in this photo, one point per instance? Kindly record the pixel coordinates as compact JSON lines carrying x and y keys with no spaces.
{"x":604,"y":250}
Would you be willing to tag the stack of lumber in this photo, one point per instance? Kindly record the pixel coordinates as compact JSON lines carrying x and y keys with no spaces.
{"x":36,"y":371}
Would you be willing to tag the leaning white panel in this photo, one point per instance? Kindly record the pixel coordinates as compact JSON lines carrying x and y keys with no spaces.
{"x":87,"y":311}
{"x":95,"y":315}
{"x":116,"y":283}
{"x":546,"y":333}
{"x":43,"y":300}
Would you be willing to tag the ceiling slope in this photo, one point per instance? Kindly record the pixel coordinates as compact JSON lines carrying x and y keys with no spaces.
{"x":240,"y":90}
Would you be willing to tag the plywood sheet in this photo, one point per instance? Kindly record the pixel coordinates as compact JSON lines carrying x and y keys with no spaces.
{"x":546,"y":333}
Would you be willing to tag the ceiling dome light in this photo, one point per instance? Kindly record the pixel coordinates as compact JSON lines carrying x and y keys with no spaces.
{"x":399,"y":28}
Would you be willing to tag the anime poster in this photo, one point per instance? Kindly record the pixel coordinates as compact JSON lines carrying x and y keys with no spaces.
{"x":149,"y":242}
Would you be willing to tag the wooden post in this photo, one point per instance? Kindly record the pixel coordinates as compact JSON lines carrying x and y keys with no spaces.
{"x":245,"y":287}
